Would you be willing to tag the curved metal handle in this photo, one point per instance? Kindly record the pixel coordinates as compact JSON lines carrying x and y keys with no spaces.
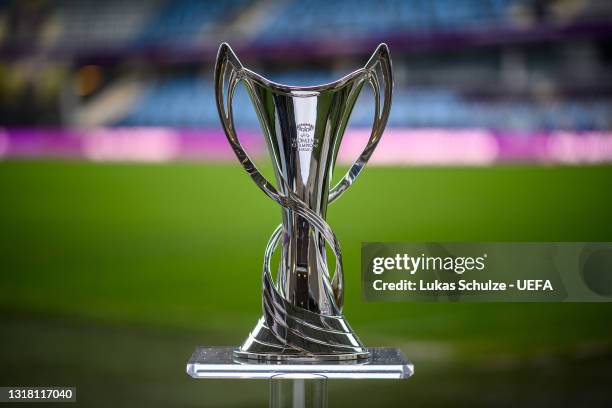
{"x":228,"y":62}
{"x":380,"y":57}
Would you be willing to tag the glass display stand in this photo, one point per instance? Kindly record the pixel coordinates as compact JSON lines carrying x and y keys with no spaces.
{"x":302,"y":383}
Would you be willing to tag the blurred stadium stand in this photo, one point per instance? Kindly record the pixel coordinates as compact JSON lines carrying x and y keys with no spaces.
{"x":100,"y":24}
{"x":189,"y":101}
{"x":186,"y":22}
{"x":349,"y":18}
{"x":519,"y":65}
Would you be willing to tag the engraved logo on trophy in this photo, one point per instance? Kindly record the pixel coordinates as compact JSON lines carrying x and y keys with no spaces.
{"x":305,"y":140}
{"x":302,"y":305}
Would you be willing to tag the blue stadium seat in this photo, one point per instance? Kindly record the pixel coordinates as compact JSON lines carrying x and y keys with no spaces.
{"x":188,"y":101}
{"x":184,"y":20}
{"x":319,"y":18}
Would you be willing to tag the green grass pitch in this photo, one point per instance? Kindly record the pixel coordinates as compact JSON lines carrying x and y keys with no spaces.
{"x":100,"y":260}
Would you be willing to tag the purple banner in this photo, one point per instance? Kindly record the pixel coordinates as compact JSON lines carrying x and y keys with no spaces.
{"x":474,"y":147}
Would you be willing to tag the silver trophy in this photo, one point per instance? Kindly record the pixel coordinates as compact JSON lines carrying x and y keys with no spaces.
{"x":303,"y":127}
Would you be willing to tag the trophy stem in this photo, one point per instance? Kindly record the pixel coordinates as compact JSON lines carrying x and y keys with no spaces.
{"x":290,"y":392}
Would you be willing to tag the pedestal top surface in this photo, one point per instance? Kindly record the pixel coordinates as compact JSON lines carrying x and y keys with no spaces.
{"x":220,"y":362}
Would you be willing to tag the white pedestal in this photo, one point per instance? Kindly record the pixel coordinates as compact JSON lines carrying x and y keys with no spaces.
{"x":298,"y":384}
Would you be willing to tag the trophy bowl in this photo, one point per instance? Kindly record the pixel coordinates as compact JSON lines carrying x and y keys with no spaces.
{"x":303,"y":128}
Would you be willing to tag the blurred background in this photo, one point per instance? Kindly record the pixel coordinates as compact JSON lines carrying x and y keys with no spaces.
{"x":129,"y":233}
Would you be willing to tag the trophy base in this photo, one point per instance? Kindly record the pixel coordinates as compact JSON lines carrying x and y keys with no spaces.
{"x":262,"y":345}
{"x":301,"y":357}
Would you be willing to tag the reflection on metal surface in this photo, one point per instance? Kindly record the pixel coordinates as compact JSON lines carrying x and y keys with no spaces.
{"x":303,"y":128}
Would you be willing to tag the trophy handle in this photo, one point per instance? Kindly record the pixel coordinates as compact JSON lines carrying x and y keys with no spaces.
{"x":229,"y":67}
{"x":380,"y":57}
